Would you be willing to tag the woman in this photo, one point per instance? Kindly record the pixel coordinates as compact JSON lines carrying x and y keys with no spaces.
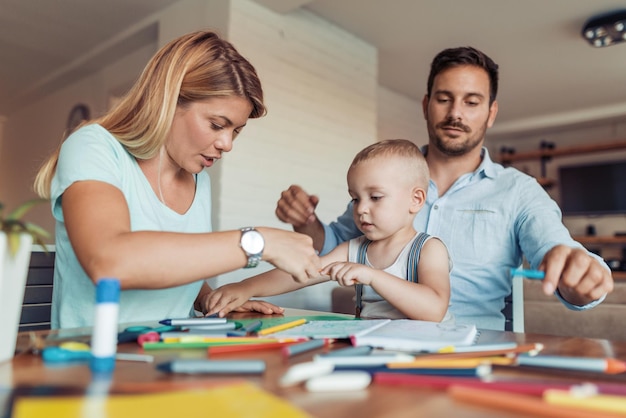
{"x":131,"y":198}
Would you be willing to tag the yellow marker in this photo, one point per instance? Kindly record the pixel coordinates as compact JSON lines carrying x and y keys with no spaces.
{"x":281,"y":327}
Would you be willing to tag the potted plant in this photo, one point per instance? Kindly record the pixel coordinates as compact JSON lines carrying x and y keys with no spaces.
{"x":16,"y":239}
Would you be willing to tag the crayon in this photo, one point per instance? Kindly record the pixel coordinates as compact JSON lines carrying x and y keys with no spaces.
{"x":281,"y":327}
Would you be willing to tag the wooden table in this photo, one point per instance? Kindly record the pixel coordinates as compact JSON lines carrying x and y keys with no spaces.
{"x":376,"y":401}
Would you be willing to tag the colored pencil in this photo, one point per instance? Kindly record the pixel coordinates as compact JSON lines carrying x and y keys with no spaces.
{"x":361,"y":350}
{"x":206,"y":344}
{"x":239,"y":348}
{"x":534,"y":388}
{"x":489,"y":351}
{"x":204,"y":338}
{"x":480,"y":371}
{"x":594,"y":402}
{"x":304,"y":347}
{"x":193,"y":321}
{"x":282,"y":327}
{"x":196,"y":366}
{"x":453,"y":363}
{"x":516,"y":403}
{"x":600,"y":365}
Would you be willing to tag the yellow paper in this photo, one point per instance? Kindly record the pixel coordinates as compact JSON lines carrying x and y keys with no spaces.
{"x":240,"y":400}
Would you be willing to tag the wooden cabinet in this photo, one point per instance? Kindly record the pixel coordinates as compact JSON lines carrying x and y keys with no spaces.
{"x":600,"y":241}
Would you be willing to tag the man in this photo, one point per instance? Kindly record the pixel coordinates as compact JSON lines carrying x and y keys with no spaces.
{"x":489,"y":216}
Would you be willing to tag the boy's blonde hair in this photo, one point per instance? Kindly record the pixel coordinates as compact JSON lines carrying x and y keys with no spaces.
{"x":401,"y":148}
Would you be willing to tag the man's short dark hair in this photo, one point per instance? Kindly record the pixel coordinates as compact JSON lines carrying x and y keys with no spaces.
{"x":454,"y":57}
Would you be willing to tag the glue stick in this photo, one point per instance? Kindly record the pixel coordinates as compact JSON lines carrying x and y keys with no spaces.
{"x":104,"y":336}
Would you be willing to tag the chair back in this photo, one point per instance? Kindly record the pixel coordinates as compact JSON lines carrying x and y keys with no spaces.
{"x":38,"y":293}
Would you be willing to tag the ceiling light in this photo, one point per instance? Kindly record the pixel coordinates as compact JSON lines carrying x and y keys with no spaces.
{"x":605,"y":29}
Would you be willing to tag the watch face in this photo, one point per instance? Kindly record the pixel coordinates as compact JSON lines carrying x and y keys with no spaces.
{"x":252,"y":242}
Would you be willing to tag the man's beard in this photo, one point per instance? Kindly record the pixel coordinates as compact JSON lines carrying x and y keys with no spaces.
{"x":452,"y":147}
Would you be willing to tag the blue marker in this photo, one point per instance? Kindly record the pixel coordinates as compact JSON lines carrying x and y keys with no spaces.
{"x":529,"y":274}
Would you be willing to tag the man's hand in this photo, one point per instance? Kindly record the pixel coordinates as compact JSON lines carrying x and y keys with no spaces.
{"x":580,"y":278}
{"x":296,"y":207}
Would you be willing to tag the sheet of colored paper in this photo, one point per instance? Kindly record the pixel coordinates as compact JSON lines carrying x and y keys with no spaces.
{"x":232,"y":401}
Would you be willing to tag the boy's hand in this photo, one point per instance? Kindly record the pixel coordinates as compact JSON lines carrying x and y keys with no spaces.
{"x":348,"y":274}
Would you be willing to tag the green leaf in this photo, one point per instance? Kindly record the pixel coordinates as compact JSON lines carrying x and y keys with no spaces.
{"x":36,"y":230}
{"x":21,"y":210}
{"x":13,"y":226}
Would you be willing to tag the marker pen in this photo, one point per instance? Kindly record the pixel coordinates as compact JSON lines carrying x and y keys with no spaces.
{"x":529,"y":274}
{"x":104,"y":336}
{"x":193,"y":366}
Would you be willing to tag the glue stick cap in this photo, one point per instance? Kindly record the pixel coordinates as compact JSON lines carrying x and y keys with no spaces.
{"x":108,"y":290}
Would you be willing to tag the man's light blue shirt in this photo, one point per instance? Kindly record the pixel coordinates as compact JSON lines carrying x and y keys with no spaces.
{"x":489,"y":219}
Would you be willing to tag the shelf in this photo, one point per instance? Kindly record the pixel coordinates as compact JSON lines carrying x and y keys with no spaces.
{"x":601,"y":240}
{"x":545,"y":182}
{"x":507,"y":158}
{"x":604,"y":240}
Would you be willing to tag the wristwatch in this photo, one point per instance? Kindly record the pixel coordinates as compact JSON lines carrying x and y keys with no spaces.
{"x":252,"y":243}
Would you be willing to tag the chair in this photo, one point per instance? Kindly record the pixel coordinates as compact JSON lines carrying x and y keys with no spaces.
{"x":514,"y":306}
{"x":38,"y":292}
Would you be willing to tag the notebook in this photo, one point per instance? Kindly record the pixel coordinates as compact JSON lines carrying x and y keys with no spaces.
{"x":414,"y":335}
{"x":392,"y":334}
{"x":329,"y":329}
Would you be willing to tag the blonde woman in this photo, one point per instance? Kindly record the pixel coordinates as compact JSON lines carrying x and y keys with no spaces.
{"x":132,"y":200}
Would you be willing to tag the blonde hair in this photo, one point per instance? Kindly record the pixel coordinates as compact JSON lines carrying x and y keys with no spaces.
{"x":402,"y":148}
{"x":191,"y":68}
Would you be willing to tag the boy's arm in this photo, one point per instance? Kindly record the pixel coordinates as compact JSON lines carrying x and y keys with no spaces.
{"x":427,"y":300}
{"x":273,"y":282}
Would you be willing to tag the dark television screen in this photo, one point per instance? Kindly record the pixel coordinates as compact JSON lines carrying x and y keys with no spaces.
{"x":593,"y":189}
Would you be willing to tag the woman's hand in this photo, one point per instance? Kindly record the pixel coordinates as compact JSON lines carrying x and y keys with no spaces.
{"x":259,"y":306}
{"x":291,"y":252}
{"x":234,"y":297}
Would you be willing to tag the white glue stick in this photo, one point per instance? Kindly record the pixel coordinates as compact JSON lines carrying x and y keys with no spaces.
{"x":104,"y":336}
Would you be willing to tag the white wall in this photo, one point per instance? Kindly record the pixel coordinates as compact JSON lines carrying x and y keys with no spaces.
{"x":400,"y":117}
{"x":320,"y":85}
{"x":33,"y":132}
